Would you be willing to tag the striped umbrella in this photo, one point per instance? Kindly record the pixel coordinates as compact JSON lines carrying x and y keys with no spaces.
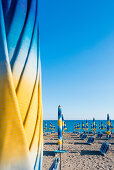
{"x":91,"y":126}
{"x":87,"y":125}
{"x":111,"y":126}
{"x":105,"y":127}
{"x":108,"y":125}
{"x":99,"y":127}
{"x":94,"y":125}
{"x":102,"y":126}
{"x":79,"y":126}
{"x":21,"y":115}
{"x":65,"y":128}
{"x":59,"y":126}
{"x":63,"y":125}
{"x":45,"y":126}
{"x":83,"y":126}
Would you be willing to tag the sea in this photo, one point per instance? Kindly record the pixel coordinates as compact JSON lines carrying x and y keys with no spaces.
{"x":70,"y":124}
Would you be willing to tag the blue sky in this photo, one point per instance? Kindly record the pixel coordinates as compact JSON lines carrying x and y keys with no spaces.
{"x":77,"y":55}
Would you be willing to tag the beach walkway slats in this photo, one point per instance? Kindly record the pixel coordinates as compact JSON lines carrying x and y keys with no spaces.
{"x":55,"y":164}
{"x":104,"y":148}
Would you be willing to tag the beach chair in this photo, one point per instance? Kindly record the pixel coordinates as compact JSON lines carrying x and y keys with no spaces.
{"x":84,"y":136}
{"x":55,"y":164}
{"x":108,"y":137}
{"x":90,"y":140}
{"x":81,"y":135}
{"x":104,"y":148}
{"x":99,"y":135}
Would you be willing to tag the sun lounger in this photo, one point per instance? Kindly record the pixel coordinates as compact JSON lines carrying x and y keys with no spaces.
{"x":81,"y":135}
{"x":55,"y":164}
{"x":104,"y":148}
{"x":99,"y":135}
{"x":90,"y":140}
{"x":108,"y":137}
{"x":84,"y":136}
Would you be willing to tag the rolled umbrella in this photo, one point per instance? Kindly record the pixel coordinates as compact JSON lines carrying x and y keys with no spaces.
{"x":111,"y":126}
{"x":63,"y":125}
{"x":21,"y":115}
{"x":105,"y":127}
{"x":79,"y":127}
{"x":108,"y":125}
{"x":94,"y":125}
{"x":91,"y":126}
{"x":87,"y":125}
{"x":102,"y":126}
{"x":83,"y":126}
{"x":75,"y":128}
{"x":59,"y":126}
{"x":65,"y":128}
{"x":45,"y":126}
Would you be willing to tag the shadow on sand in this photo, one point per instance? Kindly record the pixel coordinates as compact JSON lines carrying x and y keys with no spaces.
{"x":87,"y":152}
{"x":51,"y":144}
{"x":48,"y":153}
{"x":80,"y":143}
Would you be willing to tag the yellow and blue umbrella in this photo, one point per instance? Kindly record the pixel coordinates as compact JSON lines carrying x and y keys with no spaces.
{"x":108,"y":125}
{"x":83,"y":126}
{"x":21,"y":124}
{"x":87,"y":125}
{"x":45,"y":126}
{"x":94,"y":125}
{"x":102,"y":126}
{"x":111,"y":126}
{"x":59,"y":126}
{"x":63,"y":125}
{"x":99,"y":127}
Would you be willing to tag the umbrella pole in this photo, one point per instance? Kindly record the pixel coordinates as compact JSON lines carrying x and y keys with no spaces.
{"x":62,"y":144}
{"x":60,"y":161}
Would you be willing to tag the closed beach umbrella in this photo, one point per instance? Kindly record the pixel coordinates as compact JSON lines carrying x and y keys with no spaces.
{"x":87,"y":125}
{"x":83,"y":126}
{"x":102,"y":126}
{"x":111,"y":126}
{"x":99,"y":127}
{"x":105,"y":127}
{"x":45,"y":126}
{"x":59,"y":126}
{"x":21,"y":124}
{"x":108,"y":125}
{"x":93,"y":124}
{"x":63,"y":126}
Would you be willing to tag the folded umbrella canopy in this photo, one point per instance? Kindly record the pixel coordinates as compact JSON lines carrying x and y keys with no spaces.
{"x":108,"y":125}
{"x":21,"y":129}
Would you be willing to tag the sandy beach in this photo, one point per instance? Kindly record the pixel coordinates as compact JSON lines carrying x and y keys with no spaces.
{"x":80,"y":155}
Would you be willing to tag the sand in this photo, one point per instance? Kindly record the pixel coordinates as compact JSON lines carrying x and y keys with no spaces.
{"x":80,"y":155}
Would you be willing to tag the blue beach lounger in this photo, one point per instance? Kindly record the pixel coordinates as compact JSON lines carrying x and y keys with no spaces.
{"x":99,"y":135}
{"x":90,"y":140}
{"x":84,"y":136}
{"x":55,"y":164}
{"x":104,"y":148}
{"x":81,"y":135}
{"x":108,"y":137}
